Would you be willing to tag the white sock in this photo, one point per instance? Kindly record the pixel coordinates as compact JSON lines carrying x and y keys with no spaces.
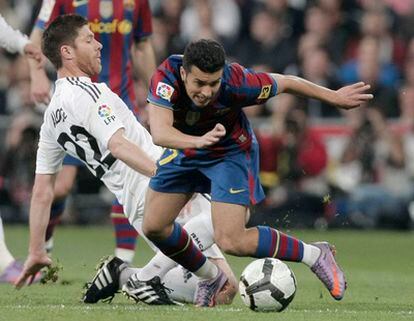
{"x":207,"y":271}
{"x":5,"y":256}
{"x":159,"y":265}
{"x":310,"y":254}
{"x":183,"y":284}
{"x":125,"y":254}
{"x":125,"y":274}
{"x":200,"y":228}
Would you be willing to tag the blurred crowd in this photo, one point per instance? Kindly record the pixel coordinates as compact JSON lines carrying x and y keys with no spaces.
{"x":319,"y":166}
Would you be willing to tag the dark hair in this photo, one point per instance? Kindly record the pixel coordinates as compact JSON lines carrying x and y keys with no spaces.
{"x":62,"y":31}
{"x":206,"y":54}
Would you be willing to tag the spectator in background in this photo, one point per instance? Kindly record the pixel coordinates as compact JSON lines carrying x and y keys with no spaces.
{"x":300,"y":159}
{"x":377,"y":23}
{"x":319,"y":23}
{"x":215,"y":19}
{"x":271,"y":47}
{"x":317,"y":67}
{"x":292,"y":18}
{"x":166,"y":26}
{"x":382,"y":77}
{"x":381,"y":185}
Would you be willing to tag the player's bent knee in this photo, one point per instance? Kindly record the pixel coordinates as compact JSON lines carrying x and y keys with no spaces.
{"x":62,"y":190}
{"x":154,"y":233}
{"x":230,"y":246}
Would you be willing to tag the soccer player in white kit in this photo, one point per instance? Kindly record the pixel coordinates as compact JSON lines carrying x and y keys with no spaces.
{"x":14,"y":42}
{"x":88,"y":121}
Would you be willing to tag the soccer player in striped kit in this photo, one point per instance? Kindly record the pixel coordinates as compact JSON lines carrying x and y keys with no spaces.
{"x":124,"y":28}
{"x":196,"y":110}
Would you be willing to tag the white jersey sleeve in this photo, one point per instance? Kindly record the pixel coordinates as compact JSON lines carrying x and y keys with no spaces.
{"x":49,"y":153}
{"x":10,"y":39}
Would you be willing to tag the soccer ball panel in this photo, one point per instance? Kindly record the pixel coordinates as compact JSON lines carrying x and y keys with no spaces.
{"x":267,"y":285}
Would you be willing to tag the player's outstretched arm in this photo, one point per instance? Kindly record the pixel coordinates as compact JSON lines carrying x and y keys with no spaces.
{"x":39,"y":82}
{"x":164,"y":134}
{"x":41,"y":202}
{"x":131,"y":154}
{"x":347,"y":97}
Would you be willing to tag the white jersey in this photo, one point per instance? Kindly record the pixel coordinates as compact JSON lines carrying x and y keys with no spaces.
{"x":10,"y":39}
{"x":80,"y":120}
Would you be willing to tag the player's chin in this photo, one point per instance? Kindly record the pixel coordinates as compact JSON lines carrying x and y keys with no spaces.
{"x":97,"y":69}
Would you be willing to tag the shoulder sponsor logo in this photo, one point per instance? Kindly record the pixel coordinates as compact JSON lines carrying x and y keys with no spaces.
{"x":265,"y":92}
{"x":105,"y":112}
{"x":236,"y":191}
{"x":164,"y":91}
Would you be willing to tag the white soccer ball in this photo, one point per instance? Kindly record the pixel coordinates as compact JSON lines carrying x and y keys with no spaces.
{"x":267,"y":285}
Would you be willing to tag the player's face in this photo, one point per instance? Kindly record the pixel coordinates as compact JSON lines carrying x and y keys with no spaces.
{"x":201,"y":87}
{"x":88,"y":52}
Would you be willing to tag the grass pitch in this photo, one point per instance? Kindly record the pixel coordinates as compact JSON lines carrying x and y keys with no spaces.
{"x":379,"y":266}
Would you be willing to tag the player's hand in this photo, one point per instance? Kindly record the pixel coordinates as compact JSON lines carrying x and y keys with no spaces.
{"x":33,"y":52}
{"x":32,"y":266}
{"x":40,"y":87}
{"x":352,"y":96}
{"x":211,"y":137}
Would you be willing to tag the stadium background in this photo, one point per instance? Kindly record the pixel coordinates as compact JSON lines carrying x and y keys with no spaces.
{"x":322,"y":167}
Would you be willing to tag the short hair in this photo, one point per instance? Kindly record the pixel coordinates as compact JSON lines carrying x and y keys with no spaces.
{"x":62,"y":31}
{"x":206,"y":54}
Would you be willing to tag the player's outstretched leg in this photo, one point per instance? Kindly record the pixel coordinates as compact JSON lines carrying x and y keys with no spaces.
{"x":105,"y":283}
{"x":125,"y":234}
{"x":328,"y":271}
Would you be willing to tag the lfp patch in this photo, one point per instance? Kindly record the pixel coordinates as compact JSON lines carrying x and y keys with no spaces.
{"x":164,"y":91}
{"x":104,"y":111}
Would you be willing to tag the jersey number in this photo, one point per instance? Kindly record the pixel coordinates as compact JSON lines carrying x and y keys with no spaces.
{"x":76,"y":131}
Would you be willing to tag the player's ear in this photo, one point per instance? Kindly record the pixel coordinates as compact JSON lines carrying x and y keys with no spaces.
{"x":183,"y":74}
{"x":66,"y":52}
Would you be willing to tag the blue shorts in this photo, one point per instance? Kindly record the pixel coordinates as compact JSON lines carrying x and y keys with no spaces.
{"x":70,"y":160}
{"x":231,"y":179}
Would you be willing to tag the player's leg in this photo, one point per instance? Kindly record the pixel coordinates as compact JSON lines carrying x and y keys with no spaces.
{"x":263,"y":241}
{"x":10,"y":268}
{"x":125,"y":234}
{"x":184,"y":283}
{"x":6,"y":258}
{"x":174,"y":242}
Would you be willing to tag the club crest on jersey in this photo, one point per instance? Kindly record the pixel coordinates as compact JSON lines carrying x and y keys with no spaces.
{"x":265,"y":92}
{"x":105,"y":112}
{"x":164,"y":91}
{"x":106,"y":9}
{"x":192,"y":117}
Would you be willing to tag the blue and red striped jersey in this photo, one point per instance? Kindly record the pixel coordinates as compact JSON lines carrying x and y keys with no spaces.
{"x":117,"y":24}
{"x":240,"y":87}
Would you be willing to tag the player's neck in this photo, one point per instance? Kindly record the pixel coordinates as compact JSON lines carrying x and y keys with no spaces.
{"x":70,"y":71}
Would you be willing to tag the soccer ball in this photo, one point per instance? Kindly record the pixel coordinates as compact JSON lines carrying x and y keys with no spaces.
{"x":267,"y":285}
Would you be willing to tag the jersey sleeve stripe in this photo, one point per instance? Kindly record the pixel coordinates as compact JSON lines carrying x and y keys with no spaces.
{"x":91,"y":86}
{"x":87,"y":90}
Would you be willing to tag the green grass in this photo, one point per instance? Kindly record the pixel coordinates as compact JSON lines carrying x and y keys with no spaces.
{"x":379,"y":267}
